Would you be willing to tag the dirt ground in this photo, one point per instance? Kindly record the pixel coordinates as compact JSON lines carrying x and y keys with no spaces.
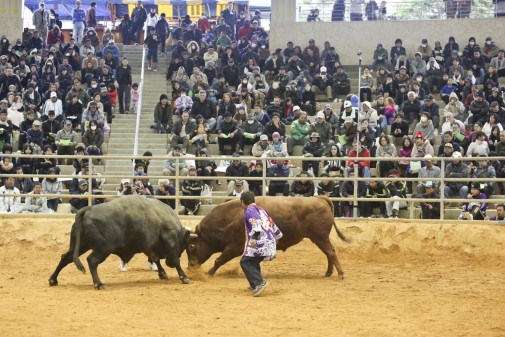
{"x":401,"y":280}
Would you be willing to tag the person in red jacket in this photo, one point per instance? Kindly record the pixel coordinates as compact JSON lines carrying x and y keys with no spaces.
{"x":363,"y":165}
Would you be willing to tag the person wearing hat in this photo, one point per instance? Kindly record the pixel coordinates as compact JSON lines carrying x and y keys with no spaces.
{"x":261,"y":148}
{"x":380,"y":57}
{"x":238,"y":189}
{"x":236,"y":170}
{"x":250,"y":133}
{"x":65,"y":140}
{"x":323,"y":83}
{"x":397,"y":190}
{"x":429,"y":170}
{"x":425,"y":126}
{"x":494,"y":95}
{"x":35,"y":134}
{"x":434,"y":75}
{"x":473,"y":210}
{"x":163,"y":116}
{"x":348,"y":132}
{"x":300,"y":130}
{"x":419,"y":141}
{"x":429,"y":210}
{"x":375,"y":189}
{"x":314,"y":148}
{"x":78,"y":20}
{"x":92,"y":113}
{"x":81,"y":190}
{"x":191,"y":187}
{"x":455,"y":107}
{"x":323,"y":129}
{"x":53,"y":104}
{"x":231,"y":73}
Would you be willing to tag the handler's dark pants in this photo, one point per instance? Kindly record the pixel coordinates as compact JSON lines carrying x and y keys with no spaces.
{"x":252,"y":270}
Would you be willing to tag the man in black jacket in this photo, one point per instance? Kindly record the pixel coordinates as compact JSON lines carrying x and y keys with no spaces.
{"x":430,"y":210}
{"x":124,"y":82}
{"x":228,"y":133}
{"x":203,"y":106}
{"x":183,"y":131}
{"x":236,"y":170}
{"x":231,"y":73}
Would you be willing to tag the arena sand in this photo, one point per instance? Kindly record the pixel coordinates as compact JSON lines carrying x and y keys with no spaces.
{"x":401,"y":280}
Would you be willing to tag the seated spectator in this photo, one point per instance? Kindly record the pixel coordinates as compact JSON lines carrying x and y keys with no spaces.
{"x":262,"y":148}
{"x":308,"y":99}
{"x":433,"y":75}
{"x":183,"y":102}
{"x":426,"y":127}
{"x":34,"y":135}
{"x":432,"y":108}
{"x":399,"y":129}
{"x":27,"y":164}
{"x":171,"y":165}
{"x":473,"y":210}
{"x":256,"y":186}
{"x":493,"y":121}
{"x":65,"y":140}
{"x":49,"y":162}
{"x":330,"y":188}
{"x":429,"y":210}
{"x":278,"y":148}
{"x":50,"y":128}
{"x":275,"y":125}
{"x":449,"y":121}
{"x":429,"y":170}
{"x":411,"y":108}
{"x":10,"y":204}
{"x":201,"y":133}
{"x":191,"y":187}
{"x":456,"y":169}
{"x":237,"y":190}
{"x":484,"y":170}
{"x":303,"y":187}
{"x":73,"y":112}
{"x":313,"y":148}
{"x":500,"y":214}
{"x":419,"y":141}
{"x":323,"y":128}
{"x":380,"y":58}
{"x":250,"y":133}
{"x":385,"y":150}
{"x":92,"y":113}
{"x":165,"y":190}
{"x":36,"y":203}
{"x":260,"y":115}
{"x":206,"y":167}
{"x":323,"y":84}
{"x":163,"y":116}
{"x":82,"y":190}
{"x":52,"y":186}
{"x":479,"y":109}
{"x":498,"y":62}
{"x":228,"y":133}
{"x":365,"y":90}
{"x":397,"y":190}
{"x":376,"y":189}
{"x":363,"y":165}
{"x":93,"y":139}
{"x":332,"y":165}
{"x":23,"y":184}
{"x":348,"y":192}
{"x":300,"y":130}
{"x":371,"y":115}
{"x":203,"y":106}
{"x":479,"y":147}
{"x":237,"y":169}
{"x":279,"y":170}
{"x":125,"y":188}
{"x":183,"y":131}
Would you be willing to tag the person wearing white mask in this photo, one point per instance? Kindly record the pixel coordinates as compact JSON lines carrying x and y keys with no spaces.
{"x":250,"y":133}
{"x":425,"y":125}
{"x":425,"y":50}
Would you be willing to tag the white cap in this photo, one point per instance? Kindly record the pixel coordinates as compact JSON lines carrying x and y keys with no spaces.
{"x":323,"y":69}
{"x":347,"y":104}
{"x":320,"y":114}
{"x":124,"y":181}
{"x":53,"y":94}
{"x":428,"y":156}
{"x":263,"y":137}
{"x":456,"y":154}
{"x":296,"y":108}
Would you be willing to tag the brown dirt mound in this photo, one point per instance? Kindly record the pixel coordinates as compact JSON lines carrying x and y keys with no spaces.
{"x":401,"y":280}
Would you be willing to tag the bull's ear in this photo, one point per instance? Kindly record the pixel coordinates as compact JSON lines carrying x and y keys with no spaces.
{"x":192,"y":247}
{"x":197,"y":229}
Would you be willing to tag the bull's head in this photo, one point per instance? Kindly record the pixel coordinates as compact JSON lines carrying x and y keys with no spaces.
{"x":198,"y":249}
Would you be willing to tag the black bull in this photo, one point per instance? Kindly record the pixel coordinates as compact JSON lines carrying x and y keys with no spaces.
{"x":222,"y":230}
{"x":124,"y":227}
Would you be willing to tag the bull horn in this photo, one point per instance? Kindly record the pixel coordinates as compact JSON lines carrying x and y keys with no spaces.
{"x":193,"y":236}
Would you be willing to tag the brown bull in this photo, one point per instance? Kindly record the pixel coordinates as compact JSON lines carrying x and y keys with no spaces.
{"x":222,"y":230}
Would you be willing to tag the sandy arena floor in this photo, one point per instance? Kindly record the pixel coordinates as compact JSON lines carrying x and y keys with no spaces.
{"x":401,"y":280}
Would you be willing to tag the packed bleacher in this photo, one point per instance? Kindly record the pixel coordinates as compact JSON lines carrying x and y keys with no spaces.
{"x":228,"y":94}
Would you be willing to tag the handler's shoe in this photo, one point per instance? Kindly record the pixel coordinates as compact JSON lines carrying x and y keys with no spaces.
{"x":153,"y":266}
{"x":259,"y":289}
{"x":122,"y":266}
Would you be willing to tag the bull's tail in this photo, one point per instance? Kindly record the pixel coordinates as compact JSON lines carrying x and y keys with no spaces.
{"x":339,"y":233}
{"x":77,"y":247}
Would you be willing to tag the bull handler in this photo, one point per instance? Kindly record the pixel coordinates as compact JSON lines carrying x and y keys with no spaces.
{"x":262,"y":236}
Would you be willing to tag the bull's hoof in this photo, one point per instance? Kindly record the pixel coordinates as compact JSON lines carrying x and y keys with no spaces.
{"x":185,"y":280}
{"x":99,"y":286}
{"x":340,"y":276}
{"x":328,"y":274}
{"x":163,"y":276}
{"x":53,"y":282}
{"x":211,"y":272}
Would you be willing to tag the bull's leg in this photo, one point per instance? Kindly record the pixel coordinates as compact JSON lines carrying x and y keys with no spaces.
{"x":225,"y":256}
{"x":94,"y":259}
{"x":65,"y":260}
{"x":161,"y":272}
{"x":173,"y":261}
{"x":328,"y":249}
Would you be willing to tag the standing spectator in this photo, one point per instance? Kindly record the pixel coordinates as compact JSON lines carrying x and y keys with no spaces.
{"x":123,"y":83}
{"x":138,"y":17}
{"x":230,"y":17}
{"x":357,"y":10}
{"x":40,"y":20}
{"x":152,"y":42}
{"x":152,"y":19}
{"x":91,"y":16}
{"x":163,"y":31}
{"x":191,"y":187}
{"x":78,"y":19}
{"x":126,"y":27}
